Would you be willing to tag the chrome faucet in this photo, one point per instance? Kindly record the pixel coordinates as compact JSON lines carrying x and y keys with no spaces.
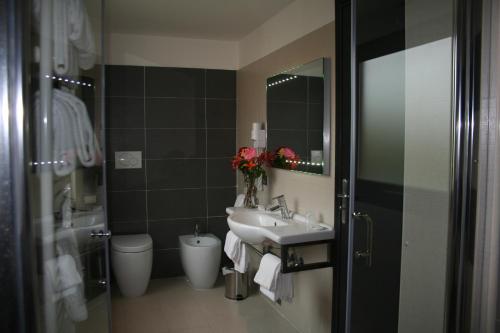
{"x":285,"y":213}
{"x":196,"y":231}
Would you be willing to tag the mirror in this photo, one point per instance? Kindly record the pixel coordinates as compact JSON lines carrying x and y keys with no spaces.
{"x":298,"y":117}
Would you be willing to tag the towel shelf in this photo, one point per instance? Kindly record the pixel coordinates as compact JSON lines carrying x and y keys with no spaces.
{"x":290,"y":261}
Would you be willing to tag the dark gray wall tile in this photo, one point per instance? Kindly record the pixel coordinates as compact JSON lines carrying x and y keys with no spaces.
{"x":129,"y":228}
{"x":220,"y":172}
{"x":316,"y":116}
{"x":125,"y":179}
{"x":221,"y":142}
{"x":124,"y":80}
{"x":221,"y":83}
{"x":175,"y":82}
{"x":221,"y":113}
{"x":293,"y":91}
{"x":176,"y":173}
{"x":218,"y":226}
{"x":124,"y":140}
{"x":315,"y":140}
{"x":173,"y":143}
{"x":166,"y":233}
{"x":219,"y":199}
{"x":166,"y":263}
{"x":125,"y":112}
{"x":316,"y":89}
{"x":127,"y":206}
{"x":175,"y":113}
{"x":175,"y":106}
{"x":297,"y":140}
{"x":286,"y":115}
{"x":173,"y":204}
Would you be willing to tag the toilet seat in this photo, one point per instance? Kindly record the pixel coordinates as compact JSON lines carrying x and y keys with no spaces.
{"x":132,"y":243}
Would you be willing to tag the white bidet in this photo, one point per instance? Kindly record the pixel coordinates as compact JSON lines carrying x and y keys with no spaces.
{"x":200,"y":256}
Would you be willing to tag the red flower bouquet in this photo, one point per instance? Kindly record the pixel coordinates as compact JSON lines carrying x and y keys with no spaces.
{"x":251,"y":164}
{"x":285,"y":158}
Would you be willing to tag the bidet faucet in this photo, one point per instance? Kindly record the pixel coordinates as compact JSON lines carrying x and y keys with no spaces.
{"x":196,"y":231}
{"x":285,"y":213}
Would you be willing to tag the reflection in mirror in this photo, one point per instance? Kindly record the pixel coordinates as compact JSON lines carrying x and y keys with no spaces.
{"x":298,"y":117}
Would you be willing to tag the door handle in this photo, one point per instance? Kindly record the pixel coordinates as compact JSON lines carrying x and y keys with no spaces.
{"x":368,"y":252}
{"x":100,"y":234}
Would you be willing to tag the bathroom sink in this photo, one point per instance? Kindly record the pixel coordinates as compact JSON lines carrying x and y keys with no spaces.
{"x":254,"y":226}
{"x":85,"y":222}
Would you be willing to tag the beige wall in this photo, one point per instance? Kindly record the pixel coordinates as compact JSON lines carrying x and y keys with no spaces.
{"x":311,"y":308}
{"x":143,"y":50}
{"x":295,"y":20}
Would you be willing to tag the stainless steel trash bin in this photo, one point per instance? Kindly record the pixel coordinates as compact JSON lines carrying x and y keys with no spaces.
{"x":236,"y":284}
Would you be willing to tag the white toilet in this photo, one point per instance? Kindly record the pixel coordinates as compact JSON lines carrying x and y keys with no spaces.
{"x":132,"y":259}
{"x":200,"y":256}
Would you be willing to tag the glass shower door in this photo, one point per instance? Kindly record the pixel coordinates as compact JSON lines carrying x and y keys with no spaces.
{"x":402,"y":174}
{"x":67,"y":179}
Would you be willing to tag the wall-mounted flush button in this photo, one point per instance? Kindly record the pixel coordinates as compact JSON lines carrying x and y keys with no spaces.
{"x":128,"y":160}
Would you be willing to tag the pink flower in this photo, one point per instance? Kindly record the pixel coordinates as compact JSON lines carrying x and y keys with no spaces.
{"x":288,"y":153}
{"x":248,"y":153}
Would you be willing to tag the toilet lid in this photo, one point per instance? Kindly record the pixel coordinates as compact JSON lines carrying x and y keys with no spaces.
{"x":131,"y":243}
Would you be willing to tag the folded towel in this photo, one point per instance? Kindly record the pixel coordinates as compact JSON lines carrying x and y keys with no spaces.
{"x":274,"y":284}
{"x":236,"y":251}
{"x":67,"y":284}
{"x":241,"y":265}
{"x":68,"y":274}
{"x":267,"y":275}
{"x":232,"y":246}
{"x":269,"y":294}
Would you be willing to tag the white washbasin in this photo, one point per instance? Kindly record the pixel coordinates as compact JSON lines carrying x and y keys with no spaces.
{"x":83,"y":223}
{"x":254,"y":226}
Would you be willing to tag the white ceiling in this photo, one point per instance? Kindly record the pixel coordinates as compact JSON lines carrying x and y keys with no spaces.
{"x":206,"y":19}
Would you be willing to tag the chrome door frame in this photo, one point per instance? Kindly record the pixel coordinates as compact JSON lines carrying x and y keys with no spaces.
{"x":466,"y":75}
{"x":17,"y":275}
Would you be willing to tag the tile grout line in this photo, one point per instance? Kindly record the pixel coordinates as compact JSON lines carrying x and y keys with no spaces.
{"x":145,"y":146}
{"x":206,"y":147}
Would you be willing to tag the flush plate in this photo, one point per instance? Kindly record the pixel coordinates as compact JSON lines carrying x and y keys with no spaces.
{"x":128,"y":160}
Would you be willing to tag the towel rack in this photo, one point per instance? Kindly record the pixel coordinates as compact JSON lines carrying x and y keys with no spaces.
{"x":292,"y":263}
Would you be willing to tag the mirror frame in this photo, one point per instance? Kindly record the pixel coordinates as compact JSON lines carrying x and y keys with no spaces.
{"x":327,"y":110}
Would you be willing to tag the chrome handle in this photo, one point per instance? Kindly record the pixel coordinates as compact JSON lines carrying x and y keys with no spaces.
{"x":100,"y":234}
{"x":102,"y":283}
{"x":368,"y":252}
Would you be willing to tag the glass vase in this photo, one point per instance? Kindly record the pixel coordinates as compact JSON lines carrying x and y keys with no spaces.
{"x":251,"y":200}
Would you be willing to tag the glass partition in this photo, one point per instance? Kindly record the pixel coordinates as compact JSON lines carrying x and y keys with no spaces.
{"x":66,"y":180}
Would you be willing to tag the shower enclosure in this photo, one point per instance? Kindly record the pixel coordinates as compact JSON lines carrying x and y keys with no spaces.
{"x":52,"y":150}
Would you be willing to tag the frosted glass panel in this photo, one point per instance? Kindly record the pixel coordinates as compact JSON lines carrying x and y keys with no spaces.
{"x":381,"y":124}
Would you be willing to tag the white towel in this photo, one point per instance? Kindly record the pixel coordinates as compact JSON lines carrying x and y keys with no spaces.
{"x":269,"y":269}
{"x":236,"y":251}
{"x":274,"y":284}
{"x":67,"y":284}
{"x":241,"y":265}
{"x":73,"y":134}
{"x":269,"y":294}
{"x":73,"y":38}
